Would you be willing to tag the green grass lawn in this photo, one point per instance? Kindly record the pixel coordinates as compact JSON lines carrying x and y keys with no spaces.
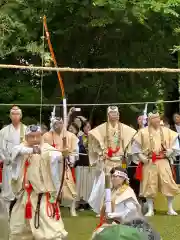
{"x":81,"y":227}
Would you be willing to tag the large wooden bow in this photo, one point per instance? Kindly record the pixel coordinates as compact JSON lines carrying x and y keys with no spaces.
{"x":64,"y":106}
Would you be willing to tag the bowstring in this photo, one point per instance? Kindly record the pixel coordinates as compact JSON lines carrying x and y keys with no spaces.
{"x":42,"y":76}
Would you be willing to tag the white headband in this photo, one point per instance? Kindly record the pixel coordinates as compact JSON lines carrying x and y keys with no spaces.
{"x":32,"y":128}
{"x":83,"y":119}
{"x":112,"y":109}
{"x":54,"y":120}
{"x":118,"y":173}
{"x":153,"y":115}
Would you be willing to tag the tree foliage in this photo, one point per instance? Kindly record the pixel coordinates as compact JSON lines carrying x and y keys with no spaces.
{"x":96,"y":33}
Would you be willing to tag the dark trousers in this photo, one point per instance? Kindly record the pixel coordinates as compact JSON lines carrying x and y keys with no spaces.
{"x":134,"y":183}
{"x":11,"y":206}
{"x":177,"y":169}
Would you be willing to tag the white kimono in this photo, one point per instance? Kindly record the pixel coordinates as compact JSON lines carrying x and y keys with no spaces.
{"x":124,"y":205}
{"x":98,"y":145}
{"x":9,"y":137}
{"x":45,"y":175}
{"x":4,"y":223}
{"x":158,"y":175}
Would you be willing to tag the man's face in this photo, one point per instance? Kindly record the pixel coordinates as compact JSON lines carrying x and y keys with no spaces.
{"x":72,"y":129}
{"x":113,"y":116}
{"x":140,"y":120}
{"x":78,"y":122}
{"x":15,"y":117}
{"x":33,"y":138}
{"x":155,"y":121}
{"x":176,"y":118}
{"x":87,"y":128}
{"x":58,"y":125}
{"x":117,"y":181}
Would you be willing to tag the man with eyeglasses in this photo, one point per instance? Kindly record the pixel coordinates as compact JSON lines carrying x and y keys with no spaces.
{"x":36,"y":180}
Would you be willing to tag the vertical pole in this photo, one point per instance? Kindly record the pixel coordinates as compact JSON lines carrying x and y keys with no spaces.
{"x":179,"y":78}
{"x":177,"y":167}
{"x":108,"y":205}
{"x":65,"y":113}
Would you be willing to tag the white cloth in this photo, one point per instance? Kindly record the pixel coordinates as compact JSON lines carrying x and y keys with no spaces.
{"x":135,"y":159}
{"x":177,"y":128}
{"x":9,"y":137}
{"x":56,"y":157}
{"x":73,"y":157}
{"x":72,"y":160}
{"x":123,"y":209}
{"x":85,"y":176}
{"x":171,"y":153}
{"x":143,"y":158}
{"x":20,"y":150}
{"x":77,"y":149}
{"x":97,"y":190}
{"x":136,"y":148}
{"x":16,"y":154}
{"x":176,"y":148}
{"x":4,"y":223}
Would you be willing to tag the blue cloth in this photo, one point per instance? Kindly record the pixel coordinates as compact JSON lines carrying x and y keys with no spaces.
{"x":83,"y":159}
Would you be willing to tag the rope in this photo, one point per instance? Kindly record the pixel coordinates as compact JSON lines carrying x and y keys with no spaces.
{"x":69,"y":69}
{"x":85,"y":104}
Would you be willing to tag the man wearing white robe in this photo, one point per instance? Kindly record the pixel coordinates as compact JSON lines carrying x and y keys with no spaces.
{"x":55,"y":138}
{"x":36,"y":179}
{"x":11,"y":135}
{"x":108,"y":146}
{"x":155,"y":147}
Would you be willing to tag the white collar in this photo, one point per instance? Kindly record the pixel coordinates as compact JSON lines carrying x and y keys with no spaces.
{"x":177,"y":128}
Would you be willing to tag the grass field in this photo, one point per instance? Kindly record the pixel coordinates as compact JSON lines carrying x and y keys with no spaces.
{"x":81,"y":227}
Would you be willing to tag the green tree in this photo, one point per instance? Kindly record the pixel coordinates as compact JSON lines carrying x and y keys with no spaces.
{"x":98,"y":33}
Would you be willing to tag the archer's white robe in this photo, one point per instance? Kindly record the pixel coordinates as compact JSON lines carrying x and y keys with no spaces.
{"x":97,"y":144}
{"x":124,"y":204}
{"x":157,"y":176}
{"x":69,"y":187}
{"x":45,"y":175}
{"x":9,"y":137}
